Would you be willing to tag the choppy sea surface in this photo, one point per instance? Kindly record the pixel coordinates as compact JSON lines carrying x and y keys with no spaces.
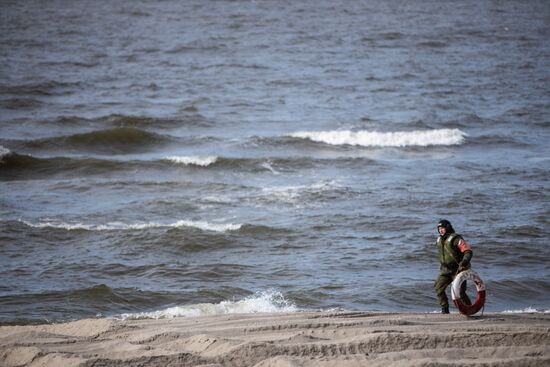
{"x":164,"y":158}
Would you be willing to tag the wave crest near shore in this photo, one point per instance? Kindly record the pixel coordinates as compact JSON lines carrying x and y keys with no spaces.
{"x":385,"y":139}
{"x":268,"y":301}
{"x":528,"y":310}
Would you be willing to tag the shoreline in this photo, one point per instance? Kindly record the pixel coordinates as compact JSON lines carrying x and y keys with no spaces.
{"x":339,"y":339}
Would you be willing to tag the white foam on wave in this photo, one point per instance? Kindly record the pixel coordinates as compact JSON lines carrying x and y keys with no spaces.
{"x":216,"y":199}
{"x":267,"y":165}
{"x":293,"y":193}
{"x":269,"y":301}
{"x":527,"y":310}
{"x":202,"y":161}
{"x":385,"y":139}
{"x":4,"y":152}
{"x":203,"y":225}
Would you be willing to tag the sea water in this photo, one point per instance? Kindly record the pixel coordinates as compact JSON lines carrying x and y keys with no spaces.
{"x":178,"y":158}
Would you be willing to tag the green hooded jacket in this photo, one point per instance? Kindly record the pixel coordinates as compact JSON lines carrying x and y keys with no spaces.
{"x":450,"y":256}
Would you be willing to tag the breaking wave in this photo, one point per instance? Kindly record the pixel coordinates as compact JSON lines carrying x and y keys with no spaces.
{"x":4,"y":152}
{"x":366,"y":138}
{"x":528,"y":310}
{"x":193,"y":160}
{"x":202,"y":225}
{"x":268,"y":301}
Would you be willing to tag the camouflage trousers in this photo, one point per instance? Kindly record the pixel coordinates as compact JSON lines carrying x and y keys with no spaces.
{"x":441,"y":284}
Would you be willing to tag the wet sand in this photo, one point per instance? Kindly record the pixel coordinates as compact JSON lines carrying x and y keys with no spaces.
{"x":281,"y":340}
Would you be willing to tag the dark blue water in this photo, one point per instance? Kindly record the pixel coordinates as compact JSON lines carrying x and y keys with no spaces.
{"x":180,"y":158}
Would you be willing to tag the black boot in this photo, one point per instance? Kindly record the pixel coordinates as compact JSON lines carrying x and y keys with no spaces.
{"x":445,"y":309}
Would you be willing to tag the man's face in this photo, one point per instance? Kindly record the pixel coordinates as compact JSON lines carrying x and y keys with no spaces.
{"x":441,"y":231}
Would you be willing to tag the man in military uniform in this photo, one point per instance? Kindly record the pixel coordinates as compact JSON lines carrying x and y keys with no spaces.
{"x":454,"y":256}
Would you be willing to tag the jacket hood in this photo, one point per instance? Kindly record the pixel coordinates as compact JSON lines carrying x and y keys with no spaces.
{"x":447,"y":225}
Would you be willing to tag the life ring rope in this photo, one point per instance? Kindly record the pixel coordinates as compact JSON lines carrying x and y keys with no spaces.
{"x":479,"y":302}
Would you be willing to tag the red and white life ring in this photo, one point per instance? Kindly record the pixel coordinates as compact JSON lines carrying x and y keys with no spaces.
{"x":455,"y":292}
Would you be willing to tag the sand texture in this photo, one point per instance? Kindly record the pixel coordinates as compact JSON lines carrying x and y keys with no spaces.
{"x":284,"y":340}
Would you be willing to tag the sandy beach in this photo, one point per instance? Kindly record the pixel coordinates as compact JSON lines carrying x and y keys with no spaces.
{"x":280,"y":340}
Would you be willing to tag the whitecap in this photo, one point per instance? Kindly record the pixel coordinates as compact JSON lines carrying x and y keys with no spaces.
{"x":267,"y":165}
{"x":527,"y":310}
{"x":4,"y":152}
{"x":385,"y":139}
{"x":202,"y":161}
{"x":203,"y":225}
{"x":270,"y":301}
{"x":293,"y":193}
{"x":217,"y":199}
{"x":207,"y":226}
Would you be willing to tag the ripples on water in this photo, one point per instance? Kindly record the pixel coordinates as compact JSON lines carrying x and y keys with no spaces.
{"x":181,"y":158}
